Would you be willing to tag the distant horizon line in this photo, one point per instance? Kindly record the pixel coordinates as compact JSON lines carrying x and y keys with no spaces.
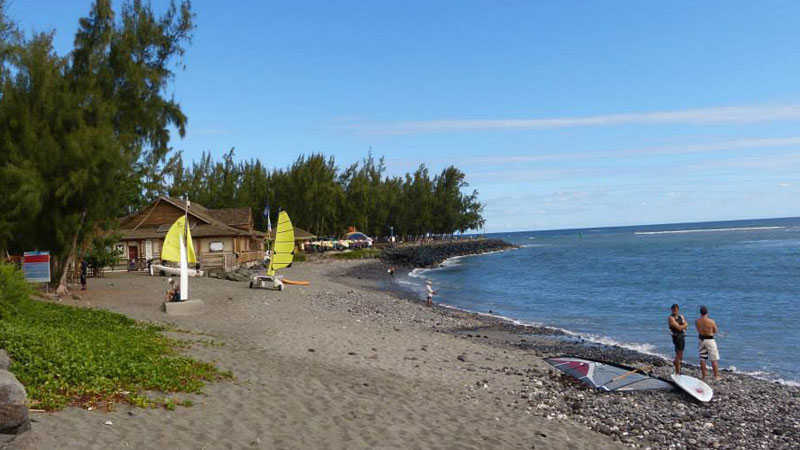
{"x":638,"y":225}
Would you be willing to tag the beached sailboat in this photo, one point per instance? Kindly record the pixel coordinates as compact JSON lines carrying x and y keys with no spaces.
{"x":178,"y":248}
{"x":281,"y":255}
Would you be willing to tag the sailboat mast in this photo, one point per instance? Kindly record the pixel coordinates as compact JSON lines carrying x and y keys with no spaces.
{"x":184,"y":242}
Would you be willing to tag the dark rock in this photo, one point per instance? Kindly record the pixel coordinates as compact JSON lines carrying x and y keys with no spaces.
{"x":311,"y":350}
{"x":462,"y":358}
{"x":13,"y":405}
{"x":431,"y":255}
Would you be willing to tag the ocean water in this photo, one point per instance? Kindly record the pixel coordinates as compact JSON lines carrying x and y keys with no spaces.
{"x":616,"y":285}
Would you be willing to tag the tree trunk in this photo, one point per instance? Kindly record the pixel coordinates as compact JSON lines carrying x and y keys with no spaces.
{"x":62,"y":282}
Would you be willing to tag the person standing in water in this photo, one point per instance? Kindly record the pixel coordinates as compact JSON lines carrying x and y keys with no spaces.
{"x":706,"y":329}
{"x":677,"y":325}
{"x":431,"y":292}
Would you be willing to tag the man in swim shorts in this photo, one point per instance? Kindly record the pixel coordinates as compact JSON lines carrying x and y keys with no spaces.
{"x":706,"y":329}
{"x":677,"y":326}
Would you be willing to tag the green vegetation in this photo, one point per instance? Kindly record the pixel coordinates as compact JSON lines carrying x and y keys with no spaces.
{"x":359,"y":254}
{"x":85,"y":136}
{"x":326,"y":200}
{"x":102,"y":253}
{"x":73,"y":356}
{"x":14,"y":291}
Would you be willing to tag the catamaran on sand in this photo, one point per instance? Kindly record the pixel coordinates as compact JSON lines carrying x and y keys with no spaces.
{"x":281,"y":255}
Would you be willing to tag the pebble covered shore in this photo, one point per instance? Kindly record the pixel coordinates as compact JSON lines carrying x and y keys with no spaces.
{"x":745,"y":413}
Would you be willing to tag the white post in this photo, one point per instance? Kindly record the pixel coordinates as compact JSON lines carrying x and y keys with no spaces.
{"x":185,"y":255}
{"x":184,"y":273}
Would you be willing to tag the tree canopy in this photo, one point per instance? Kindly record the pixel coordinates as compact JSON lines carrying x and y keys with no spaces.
{"x":83,"y":136}
{"x":327,"y":201}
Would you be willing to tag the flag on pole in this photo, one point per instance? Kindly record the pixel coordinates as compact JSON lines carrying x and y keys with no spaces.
{"x":269,"y":223}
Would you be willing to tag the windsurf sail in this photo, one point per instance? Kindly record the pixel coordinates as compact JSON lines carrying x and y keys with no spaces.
{"x":171,"y":250}
{"x":608,"y":377}
{"x":178,"y":247}
{"x":282,"y":245}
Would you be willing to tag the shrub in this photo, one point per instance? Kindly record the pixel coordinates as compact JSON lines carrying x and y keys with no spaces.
{"x":13,"y":289}
{"x":73,"y":356}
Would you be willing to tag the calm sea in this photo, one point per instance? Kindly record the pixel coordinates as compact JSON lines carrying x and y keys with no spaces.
{"x":615,"y":286}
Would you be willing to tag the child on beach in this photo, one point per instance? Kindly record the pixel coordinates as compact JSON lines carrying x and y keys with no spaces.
{"x":431,"y":293}
{"x":173,"y":294}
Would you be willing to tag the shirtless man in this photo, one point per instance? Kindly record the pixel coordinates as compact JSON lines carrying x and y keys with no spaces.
{"x":677,"y":325}
{"x":707,"y":328}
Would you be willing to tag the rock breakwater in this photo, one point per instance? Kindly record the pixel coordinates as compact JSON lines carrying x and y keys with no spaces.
{"x":431,"y":255}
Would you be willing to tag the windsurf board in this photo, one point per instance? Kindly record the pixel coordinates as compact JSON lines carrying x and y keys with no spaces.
{"x":694,"y":387}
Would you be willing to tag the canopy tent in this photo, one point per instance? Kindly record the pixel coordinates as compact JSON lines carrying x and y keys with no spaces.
{"x":357,"y":236}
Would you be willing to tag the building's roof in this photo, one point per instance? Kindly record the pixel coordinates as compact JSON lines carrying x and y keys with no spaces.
{"x":299,"y":234}
{"x":210,"y":223}
{"x":232,"y":216}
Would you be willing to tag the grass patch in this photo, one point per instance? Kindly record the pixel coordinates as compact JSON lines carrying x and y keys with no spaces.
{"x":73,"y":356}
{"x":359,"y":254}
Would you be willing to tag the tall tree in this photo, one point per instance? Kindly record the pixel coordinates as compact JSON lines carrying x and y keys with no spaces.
{"x":82,"y":136}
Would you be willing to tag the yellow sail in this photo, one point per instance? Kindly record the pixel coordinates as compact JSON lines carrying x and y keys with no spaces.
{"x":282,"y":245}
{"x":172,"y":243}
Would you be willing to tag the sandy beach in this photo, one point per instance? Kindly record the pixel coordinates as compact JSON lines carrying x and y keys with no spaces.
{"x":342,"y":365}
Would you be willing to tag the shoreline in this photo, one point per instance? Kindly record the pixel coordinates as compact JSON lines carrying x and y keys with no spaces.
{"x":603,"y":341}
{"x":743,"y":390}
{"x":599,"y":340}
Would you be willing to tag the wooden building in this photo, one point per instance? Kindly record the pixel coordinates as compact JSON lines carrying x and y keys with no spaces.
{"x":224,"y":239}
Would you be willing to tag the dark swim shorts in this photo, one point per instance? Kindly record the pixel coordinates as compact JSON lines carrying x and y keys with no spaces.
{"x":679,"y":340}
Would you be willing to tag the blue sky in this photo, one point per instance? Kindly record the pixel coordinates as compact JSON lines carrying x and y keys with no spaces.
{"x":562,"y":114}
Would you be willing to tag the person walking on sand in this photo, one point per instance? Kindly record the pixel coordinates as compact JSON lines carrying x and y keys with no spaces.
{"x":84,"y":271}
{"x":706,"y":329}
{"x":431,"y":293}
{"x":677,"y":325}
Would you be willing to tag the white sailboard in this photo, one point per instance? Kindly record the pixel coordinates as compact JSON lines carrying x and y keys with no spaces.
{"x":694,"y":387}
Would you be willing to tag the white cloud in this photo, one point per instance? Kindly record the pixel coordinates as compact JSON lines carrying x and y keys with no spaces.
{"x":731,"y":114}
{"x":706,"y":147}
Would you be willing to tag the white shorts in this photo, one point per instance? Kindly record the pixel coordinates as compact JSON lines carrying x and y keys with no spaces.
{"x":708,"y":349}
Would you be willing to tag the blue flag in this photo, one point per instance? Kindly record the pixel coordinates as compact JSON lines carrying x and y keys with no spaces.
{"x":269,"y":223}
